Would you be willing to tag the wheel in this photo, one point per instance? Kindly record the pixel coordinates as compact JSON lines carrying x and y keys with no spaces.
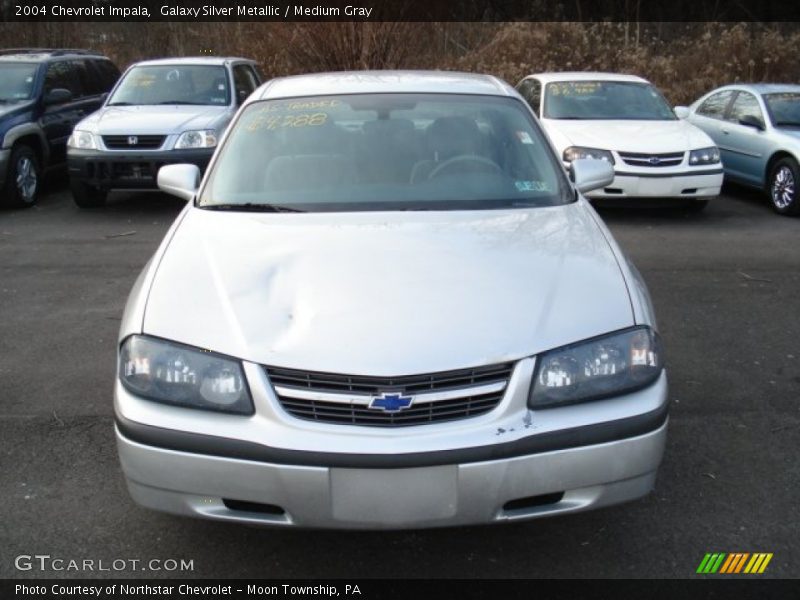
{"x":696,"y":206}
{"x":783,"y":187}
{"x":87,"y":196}
{"x":23,"y":178}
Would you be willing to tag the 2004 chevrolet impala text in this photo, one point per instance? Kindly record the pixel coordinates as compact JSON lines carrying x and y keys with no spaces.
{"x":387,"y":306}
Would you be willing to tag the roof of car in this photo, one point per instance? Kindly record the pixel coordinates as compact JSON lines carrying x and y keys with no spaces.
{"x":586,"y":76}
{"x":764,"y":88}
{"x":35,"y":55}
{"x":192,"y":60}
{"x":366,"y":82}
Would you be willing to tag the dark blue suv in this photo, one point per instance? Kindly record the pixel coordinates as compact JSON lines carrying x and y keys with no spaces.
{"x":43,"y":94}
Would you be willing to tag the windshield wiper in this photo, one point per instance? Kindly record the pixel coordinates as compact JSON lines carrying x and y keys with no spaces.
{"x":253,"y":207}
{"x":120,"y":104}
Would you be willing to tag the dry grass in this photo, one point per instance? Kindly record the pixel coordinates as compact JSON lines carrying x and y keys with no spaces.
{"x":684,"y":60}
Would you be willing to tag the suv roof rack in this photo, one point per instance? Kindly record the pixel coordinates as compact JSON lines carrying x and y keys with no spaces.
{"x":50,"y":51}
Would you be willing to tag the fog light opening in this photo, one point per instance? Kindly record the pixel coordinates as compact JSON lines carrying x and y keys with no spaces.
{"x":523,"y":504}
{"x":253,"y":507}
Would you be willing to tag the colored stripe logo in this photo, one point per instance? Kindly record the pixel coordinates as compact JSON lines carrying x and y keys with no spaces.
{"x":734,"y":562}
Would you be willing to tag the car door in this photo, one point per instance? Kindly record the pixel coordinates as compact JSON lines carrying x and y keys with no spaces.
{"x":746,"y":146}
{"x":710,"y":114}
{"x":58,"y":120}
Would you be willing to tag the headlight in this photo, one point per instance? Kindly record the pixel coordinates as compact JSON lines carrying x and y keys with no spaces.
{"x":704,"y":156}
{"x":182,"y":375}
{"x":605,"y":366}
{"x":206,"y":138}
{"x":576,"y":152}
{"x":83,"y":140}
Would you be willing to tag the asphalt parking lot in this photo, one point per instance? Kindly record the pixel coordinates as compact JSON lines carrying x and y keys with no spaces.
{"x":726,"y":286}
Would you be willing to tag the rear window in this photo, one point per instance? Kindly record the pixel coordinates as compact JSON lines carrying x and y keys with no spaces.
{"x":387,"y":152}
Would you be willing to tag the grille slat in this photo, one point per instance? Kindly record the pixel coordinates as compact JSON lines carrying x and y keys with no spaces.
{"x":143,"y":142}
{"x":420,"y":412}
{"x":638,"y":159}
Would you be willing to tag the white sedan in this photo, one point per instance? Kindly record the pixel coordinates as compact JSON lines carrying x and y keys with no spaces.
{"x":372,"y":313}
{"x":624,"y":120}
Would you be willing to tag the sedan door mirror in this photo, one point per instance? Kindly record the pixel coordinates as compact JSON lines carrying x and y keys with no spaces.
{"x":682,"y":112}
{"x":179,"y":180}
{"x":591,"y":174}
{"x":752,"y":121}
{"x":57,"y":96}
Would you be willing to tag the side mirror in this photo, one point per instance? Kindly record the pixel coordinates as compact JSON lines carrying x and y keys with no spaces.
{"x":591,"y":174}
{"x":57,"y":96}
{"x":682,"y":112}
{"x":179,"y":180}
{"x":752,"y":121}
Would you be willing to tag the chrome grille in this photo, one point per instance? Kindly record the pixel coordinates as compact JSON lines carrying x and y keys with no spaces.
{"x":345,"y":399}
{"x":636,"y":159}
{"x":140,"y":142}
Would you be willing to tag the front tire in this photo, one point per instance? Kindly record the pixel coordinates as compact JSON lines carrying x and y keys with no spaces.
{"x":23,"y":178}
{"x":783,"y":181}
{"x":87,"y":196}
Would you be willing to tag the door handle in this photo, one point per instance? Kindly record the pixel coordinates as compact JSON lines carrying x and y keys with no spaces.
{"x":725,"y":131}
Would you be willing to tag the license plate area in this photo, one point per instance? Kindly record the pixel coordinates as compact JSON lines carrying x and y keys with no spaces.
{"x":394,"y":496}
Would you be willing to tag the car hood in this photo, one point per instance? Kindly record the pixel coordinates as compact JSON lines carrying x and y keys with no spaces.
{"x":630,"y":136}
{"x":387,"y":293}
{"x":152,"y":120}
{"x":13,"y":107}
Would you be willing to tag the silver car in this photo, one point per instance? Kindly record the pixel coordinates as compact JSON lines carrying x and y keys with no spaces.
{"x":757,"y":130}
{"x":166,"y":111}
{"x":387,"y":306}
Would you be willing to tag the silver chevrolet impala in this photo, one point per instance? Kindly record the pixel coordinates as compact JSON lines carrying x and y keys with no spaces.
{"x":388,"y":305}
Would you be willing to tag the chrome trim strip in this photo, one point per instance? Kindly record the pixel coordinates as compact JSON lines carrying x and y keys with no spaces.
{"x":365,"y":399}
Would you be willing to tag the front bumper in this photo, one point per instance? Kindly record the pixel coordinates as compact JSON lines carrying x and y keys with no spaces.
{"x":274,"y":469}
{"x":128,"y":170}
{"x":5,"y":156}
{"x":703,"y":183}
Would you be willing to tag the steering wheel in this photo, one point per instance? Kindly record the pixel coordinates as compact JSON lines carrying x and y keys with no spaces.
{"x":484,"y":163}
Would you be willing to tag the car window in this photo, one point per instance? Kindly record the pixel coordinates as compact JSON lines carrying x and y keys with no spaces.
{"x":617,"y":100}
{"x":714,"y":106}
{"x":745,"y":105}
{"x":387,"y":152}
{"x":531,"y":90}
{"x":108,"y":74}
{"x":173,"y":84}
{"x":90,"y":81}
{"x":64,"y":74}
{"x":784,"y":108}
{"x":244,"y":80}
{"x":16,"y":81}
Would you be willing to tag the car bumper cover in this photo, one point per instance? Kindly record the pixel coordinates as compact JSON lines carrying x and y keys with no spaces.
{"x":128,"y":170}
{"x":705,"y":183}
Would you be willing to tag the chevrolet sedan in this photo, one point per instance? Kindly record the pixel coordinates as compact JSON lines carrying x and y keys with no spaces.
{"x":625,"y":121}
{"x":387,"y":305}
{"x":757,"y":129}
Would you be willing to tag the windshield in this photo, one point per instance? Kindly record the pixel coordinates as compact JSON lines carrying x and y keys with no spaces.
{"x":16,"y":82}
{"x":784,"y":108}
{"x":386,"y":152}
{"x":605,"y":100}
{"x":173,"y":84}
